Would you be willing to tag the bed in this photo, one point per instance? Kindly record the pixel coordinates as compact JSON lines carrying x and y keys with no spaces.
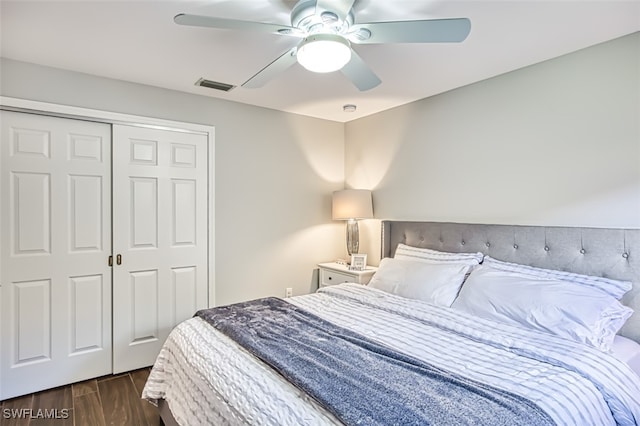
{"x":206,"y":374}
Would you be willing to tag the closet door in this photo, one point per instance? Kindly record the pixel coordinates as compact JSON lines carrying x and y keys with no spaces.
{"x":55,"y":240}
{"x":160,"y":211}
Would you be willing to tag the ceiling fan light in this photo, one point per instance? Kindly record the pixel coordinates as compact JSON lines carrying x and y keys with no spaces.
{"x":324,"y":52}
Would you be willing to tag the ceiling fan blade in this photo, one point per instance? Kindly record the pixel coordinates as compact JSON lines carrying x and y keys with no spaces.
{"x":359,"y":73}
{"x":270,"y":71}
{"x":427,"y":31}
{"x":234,"y":24}
{"x":339,"y":7}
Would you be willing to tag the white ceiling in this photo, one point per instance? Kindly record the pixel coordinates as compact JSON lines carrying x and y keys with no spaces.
{"x":137,"y":41}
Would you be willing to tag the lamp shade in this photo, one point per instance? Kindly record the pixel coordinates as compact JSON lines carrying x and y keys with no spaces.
{"x":352,"y":204}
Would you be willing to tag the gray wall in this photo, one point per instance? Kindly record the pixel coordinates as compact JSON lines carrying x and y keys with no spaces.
{"x":557,"y":143}
{"x":274,"y":174}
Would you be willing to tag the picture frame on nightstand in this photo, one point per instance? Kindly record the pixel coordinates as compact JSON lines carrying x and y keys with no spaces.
{"x":358,"y":262}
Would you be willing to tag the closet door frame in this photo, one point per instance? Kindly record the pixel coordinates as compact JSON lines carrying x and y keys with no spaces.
{"x":66,"y":111}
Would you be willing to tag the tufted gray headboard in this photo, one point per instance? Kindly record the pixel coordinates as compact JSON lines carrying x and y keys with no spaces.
{"x":611,"y":253}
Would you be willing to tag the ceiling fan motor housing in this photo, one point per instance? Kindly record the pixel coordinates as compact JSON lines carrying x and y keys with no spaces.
{"x":304,"y":16}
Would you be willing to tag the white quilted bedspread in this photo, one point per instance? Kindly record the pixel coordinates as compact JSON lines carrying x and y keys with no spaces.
{"x":207,"y":379}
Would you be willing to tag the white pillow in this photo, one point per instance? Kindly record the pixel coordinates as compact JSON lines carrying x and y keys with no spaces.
{"x":405,"y":252}
{"x":627,"y":351}
{"x":437,"y":283}
{"x":563,"y":308}
{"x":615,"y":288}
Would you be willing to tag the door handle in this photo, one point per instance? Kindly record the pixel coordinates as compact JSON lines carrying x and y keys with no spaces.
{"x":119,"y":259}
{"x":110,"y":261}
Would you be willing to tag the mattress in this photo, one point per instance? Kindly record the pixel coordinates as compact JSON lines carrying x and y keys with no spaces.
{"x":205,"y":378}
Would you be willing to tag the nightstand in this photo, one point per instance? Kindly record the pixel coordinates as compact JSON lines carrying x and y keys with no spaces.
{"x":335,"y":273}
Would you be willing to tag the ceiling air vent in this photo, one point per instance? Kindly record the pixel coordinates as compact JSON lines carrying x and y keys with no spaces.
{"x":214,"y":85}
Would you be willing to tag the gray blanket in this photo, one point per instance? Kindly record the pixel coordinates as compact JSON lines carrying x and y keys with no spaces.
{"x":359,"y":380}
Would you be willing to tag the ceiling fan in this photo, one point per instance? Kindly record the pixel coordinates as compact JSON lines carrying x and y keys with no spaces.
{"x":328,"y":29}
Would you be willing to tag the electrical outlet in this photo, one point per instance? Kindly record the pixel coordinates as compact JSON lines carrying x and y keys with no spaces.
{"x":288,"y":292}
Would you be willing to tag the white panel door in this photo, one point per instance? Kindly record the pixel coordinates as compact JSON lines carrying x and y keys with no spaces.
{"x":55,"y":240}
{"x":160,"y":210}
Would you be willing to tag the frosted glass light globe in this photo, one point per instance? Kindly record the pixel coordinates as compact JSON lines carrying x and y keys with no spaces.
{"x":324,"y":52}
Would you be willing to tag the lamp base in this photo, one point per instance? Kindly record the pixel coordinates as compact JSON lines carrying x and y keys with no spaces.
{"x":353,"y":237}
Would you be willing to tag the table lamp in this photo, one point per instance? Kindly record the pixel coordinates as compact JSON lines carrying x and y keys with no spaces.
{"x":352,"y":205}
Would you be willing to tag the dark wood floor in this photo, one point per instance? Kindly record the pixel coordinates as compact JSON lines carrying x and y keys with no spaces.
{"x":109,"y":400}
